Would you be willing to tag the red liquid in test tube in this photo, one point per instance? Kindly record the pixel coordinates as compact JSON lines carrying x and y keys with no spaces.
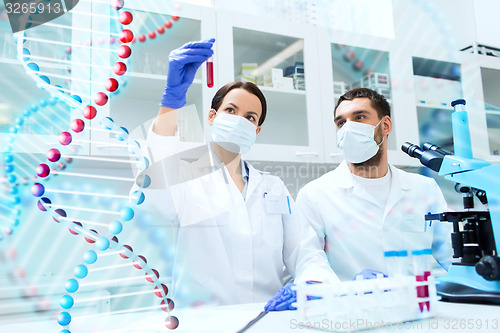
{"x":422,"y":273}
{"x":210,"y":72}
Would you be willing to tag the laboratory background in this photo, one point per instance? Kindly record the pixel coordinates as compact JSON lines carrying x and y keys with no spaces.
{"x":303,"y":54}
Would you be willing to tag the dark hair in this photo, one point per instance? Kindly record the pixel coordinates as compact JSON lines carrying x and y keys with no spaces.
{"x":378,"y":101}
{"x":248,"y":86}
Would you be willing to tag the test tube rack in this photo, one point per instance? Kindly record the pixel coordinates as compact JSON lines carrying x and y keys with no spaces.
{"x":368,"y":303}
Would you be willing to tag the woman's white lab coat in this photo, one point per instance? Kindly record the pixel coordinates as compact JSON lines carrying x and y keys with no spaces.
{"x":355,"y":230}
{"x":231,"y":248}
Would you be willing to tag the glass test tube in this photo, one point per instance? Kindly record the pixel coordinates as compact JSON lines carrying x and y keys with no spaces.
{"x":397,"y":263}
{"x":210,"y":72}
{"x":422,"y":272}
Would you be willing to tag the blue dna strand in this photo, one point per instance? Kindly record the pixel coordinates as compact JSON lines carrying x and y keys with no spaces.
{"x":100,"y":268}
{"x":9,"y":202}
{"x":21,"y":156}
{"x":27,"y":137}
{"x":94,"y":205}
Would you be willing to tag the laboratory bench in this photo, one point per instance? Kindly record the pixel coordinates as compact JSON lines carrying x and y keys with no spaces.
{"x":450,"y":317}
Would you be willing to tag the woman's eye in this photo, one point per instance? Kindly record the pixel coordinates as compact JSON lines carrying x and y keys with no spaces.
{"x":251,"y":118}
{"x":230,"y":110}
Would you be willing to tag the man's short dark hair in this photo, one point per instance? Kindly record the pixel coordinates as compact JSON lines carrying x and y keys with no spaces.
{"x":378,"y":101}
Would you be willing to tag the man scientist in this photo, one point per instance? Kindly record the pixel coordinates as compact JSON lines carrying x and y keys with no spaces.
{"x":366,"y":206}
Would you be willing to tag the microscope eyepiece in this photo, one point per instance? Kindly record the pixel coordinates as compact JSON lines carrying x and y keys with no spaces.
{"x":411,"y":149}
{"x":431,"y":158}
{"x":430,"y":146}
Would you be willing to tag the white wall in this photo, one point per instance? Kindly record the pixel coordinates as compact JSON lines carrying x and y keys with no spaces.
{"x":456,"y":23}
{"x":438,"y":24}
{"x":486,"y":14}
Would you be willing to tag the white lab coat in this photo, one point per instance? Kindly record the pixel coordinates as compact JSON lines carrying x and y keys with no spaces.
{"x":355,"y":230}
{"x":233,"y":249}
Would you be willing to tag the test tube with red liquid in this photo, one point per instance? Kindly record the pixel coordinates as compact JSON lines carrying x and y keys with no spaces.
{"x":422,"y":272}
{"x":210,"y":72}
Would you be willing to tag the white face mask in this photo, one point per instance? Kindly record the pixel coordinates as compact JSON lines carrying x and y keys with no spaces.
{"x":356,"y":140}
{"x":233,"y":133}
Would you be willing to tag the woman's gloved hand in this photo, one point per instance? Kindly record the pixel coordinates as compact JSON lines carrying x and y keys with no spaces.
{"x":182,"y":66}
{"x":283,"y":299}
{"x":368,"y":274}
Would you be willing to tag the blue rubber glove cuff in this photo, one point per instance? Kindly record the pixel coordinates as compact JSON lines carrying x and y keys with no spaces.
{"x":284,"y":298}
{"x":173,"y":98}
{"x":368,"y":274}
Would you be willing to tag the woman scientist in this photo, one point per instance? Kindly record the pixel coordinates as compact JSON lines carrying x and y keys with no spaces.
{"x":236,"y":228}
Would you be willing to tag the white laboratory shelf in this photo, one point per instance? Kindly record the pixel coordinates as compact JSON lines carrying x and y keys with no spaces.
{"x":271,"y":90}
{"x":433,"y":105}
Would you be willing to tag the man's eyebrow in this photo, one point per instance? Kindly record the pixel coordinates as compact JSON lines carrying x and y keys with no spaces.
{"x":355,"y":113}
{"x":360,"y":112}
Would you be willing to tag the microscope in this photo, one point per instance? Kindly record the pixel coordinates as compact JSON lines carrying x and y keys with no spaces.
{"x":474,"y":275}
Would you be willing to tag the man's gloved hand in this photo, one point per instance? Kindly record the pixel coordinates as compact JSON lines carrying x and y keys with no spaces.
{"x":283,"y":299}
{"x":368,"y":274}
{"x":182,"y":66}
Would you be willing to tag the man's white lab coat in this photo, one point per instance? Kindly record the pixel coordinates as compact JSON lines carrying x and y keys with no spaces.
{"x":355,"y":230}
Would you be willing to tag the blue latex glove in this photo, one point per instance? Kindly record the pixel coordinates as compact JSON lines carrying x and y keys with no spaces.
{"x":283,"y":299}
{"x":368,"y":274}
{"x":182,"y":66}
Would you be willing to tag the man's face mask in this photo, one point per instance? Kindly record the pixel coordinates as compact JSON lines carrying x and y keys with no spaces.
{"x":356,"y":140}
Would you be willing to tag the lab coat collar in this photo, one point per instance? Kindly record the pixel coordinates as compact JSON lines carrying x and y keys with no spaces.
{"x":244,"y":170}
{"x":254,"y":178}
{"x":346,"y":179}
{"x":254,"y":175}
{"x":399,"y":179}
{"x":399,"y":184}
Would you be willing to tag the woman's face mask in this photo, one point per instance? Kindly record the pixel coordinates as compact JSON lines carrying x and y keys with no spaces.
{"x":356,"y":140}
{"x":233,"y":133}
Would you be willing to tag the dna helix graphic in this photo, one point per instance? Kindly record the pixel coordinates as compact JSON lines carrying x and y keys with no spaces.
{"x":103,"y":235}
{"x":42,"y":117}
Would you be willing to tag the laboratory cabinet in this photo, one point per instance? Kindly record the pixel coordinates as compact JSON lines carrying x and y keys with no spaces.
{"x":436,"y":79}
{"x":348,"y":61}
{"x":137,"y":103}
{"x":281,"y":58}
{"x":437,"y":83}
{"x":133,"y":106}
{"x":441,"y":76}
{"x":480,"y":85}
{"x":490,"y":80}
{"x":138,"y":100}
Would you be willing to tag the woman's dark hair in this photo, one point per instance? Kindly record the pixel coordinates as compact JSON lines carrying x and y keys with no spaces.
{"x":248,"y":86}
{"x":378,"y":101}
